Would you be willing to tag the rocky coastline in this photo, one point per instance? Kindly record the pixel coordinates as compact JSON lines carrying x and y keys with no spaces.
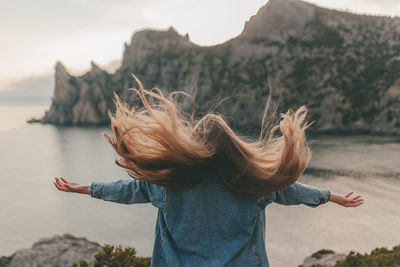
{"x":64,"y":250}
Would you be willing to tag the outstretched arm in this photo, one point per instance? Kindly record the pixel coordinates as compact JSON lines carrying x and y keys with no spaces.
{"x":298,"y":193}
{"x":128,"y":191}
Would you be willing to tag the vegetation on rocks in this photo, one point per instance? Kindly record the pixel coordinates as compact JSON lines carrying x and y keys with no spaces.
{"x":111,"y":256}
{"x":379,"y":257}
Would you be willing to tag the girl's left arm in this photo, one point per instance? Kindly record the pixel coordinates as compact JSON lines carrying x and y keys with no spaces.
{"x":298,"y":193}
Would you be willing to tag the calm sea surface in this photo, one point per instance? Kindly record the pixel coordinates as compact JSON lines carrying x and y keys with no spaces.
{"x":31,"y":208}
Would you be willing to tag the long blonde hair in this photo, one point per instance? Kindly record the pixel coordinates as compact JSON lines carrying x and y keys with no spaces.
{"x":158,"y":144}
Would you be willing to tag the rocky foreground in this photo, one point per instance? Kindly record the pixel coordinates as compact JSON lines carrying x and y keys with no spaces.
{"x":61,"y":251}
{"x":345,"y":67}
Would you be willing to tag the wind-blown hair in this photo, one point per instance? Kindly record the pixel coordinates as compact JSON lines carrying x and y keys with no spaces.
{"x":158,"y":144}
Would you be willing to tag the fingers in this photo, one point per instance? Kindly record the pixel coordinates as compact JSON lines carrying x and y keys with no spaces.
{"x":355,"y":202}
{"x":355,"y":199}
{"x":66,"y":182}
{"x":62,"y":187}
{"x":349,"y":194}
{"x":58,"y":182}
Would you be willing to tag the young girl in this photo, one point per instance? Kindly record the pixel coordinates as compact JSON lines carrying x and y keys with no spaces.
{"x":210,"y":185}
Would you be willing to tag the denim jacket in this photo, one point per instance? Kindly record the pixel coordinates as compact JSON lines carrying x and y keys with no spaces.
{"x":204,"y":225}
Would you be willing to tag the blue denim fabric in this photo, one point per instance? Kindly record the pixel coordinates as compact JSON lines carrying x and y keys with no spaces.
{"x":203,"y":225}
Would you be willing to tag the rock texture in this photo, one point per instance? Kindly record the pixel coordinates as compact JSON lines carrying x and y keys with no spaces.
{"x":326,"y":260}
{"x":56,"y":251}
{"x":345,"y":67}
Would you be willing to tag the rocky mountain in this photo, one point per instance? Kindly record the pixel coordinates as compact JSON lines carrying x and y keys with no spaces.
{"x":60,"y":251}
{"x":344,"y":67}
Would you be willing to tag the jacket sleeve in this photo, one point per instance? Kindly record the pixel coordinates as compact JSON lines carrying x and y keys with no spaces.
{"x":298,"y":193}
{"x":127,"y":191}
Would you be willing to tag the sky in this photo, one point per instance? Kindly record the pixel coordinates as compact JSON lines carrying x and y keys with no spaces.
{"x":36,"y":34}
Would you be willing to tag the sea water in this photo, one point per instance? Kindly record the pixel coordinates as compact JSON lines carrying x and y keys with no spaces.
{"x":31,"y":208}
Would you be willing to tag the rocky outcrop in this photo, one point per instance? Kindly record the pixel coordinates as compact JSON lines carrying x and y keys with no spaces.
{"x":344,"y":67}
{"x":55,"y":251}
{"x":79,"y":100}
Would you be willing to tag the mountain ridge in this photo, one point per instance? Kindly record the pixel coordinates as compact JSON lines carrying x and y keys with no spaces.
{"x":345,"y":67}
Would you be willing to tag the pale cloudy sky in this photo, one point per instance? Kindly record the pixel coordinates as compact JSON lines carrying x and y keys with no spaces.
{"x":35,"y":34}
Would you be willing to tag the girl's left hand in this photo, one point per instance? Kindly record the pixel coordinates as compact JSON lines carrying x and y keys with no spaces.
{"x":347,"y":201}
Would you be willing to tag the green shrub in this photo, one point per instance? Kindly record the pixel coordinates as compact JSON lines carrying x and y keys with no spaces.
{"x":378,"y":257}
{"x":110,"y":256}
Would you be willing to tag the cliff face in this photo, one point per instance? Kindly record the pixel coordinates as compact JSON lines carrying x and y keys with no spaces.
{"x":344,"y":67}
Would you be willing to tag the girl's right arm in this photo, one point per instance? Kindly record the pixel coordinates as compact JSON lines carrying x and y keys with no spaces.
{"x":128,"y":191}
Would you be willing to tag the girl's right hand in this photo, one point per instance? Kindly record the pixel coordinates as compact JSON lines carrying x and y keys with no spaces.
{"x":347,"y":201}
{"x":66,"y":186}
